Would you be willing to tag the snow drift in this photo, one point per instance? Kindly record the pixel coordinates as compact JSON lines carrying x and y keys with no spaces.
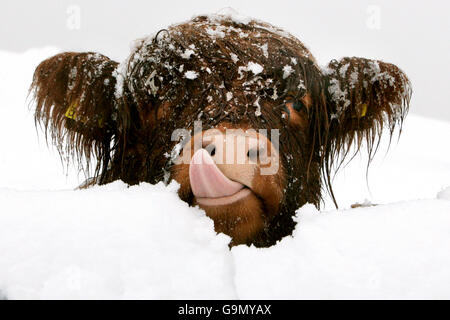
{"x":139,"y":242}
{"x":143,"y":242}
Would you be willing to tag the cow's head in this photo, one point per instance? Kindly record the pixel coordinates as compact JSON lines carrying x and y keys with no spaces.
{"x":238,"y":113}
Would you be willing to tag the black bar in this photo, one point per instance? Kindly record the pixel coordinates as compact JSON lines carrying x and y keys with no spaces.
{"x":223,"y":309}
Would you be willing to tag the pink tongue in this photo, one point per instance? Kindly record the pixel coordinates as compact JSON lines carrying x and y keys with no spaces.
{"x":207,"y":181}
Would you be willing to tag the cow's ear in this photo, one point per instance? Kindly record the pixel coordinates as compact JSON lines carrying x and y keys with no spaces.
{"x":76,"y":104}
{"x":363,"y":96}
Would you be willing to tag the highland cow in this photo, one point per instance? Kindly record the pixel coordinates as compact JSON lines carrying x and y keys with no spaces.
{"x":227,"y":74}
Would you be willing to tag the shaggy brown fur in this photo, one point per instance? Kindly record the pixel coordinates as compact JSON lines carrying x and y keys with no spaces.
{"x":123,"y":115}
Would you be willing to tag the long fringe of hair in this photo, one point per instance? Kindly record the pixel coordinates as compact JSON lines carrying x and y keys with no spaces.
{"x":76,"y":106}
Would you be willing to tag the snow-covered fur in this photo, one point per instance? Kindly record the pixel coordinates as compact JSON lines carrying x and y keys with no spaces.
{"x":217,"y":69}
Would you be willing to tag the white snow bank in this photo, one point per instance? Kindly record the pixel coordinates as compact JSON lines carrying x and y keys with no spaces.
{"x":396,"y":251}
{"x":415,"y":167}
{"x":143,"y":242}
{"x":110,"y":242}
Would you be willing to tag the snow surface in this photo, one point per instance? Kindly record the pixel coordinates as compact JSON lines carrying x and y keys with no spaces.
{"x":106,"y":243}
{"x":191,"y":75}
{"x":254,"y":67}
{"x":138,"y":242}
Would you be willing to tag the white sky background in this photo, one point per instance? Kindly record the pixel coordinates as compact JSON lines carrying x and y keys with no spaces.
{"x":412,"y":34}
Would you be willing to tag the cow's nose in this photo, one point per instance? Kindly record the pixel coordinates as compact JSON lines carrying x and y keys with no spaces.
{"x":207,"y":180}
{"x":211,"y":149}
{"x":224,"y":164}
{"x":252,"y":153}
{"x":233,"y":149}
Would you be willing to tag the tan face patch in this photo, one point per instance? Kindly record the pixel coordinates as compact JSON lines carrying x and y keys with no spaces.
{"x":246,"y":217}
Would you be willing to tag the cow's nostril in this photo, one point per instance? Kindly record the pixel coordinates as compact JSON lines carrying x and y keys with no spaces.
{"x":211,"y":149}
{"x":252,"y":154}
